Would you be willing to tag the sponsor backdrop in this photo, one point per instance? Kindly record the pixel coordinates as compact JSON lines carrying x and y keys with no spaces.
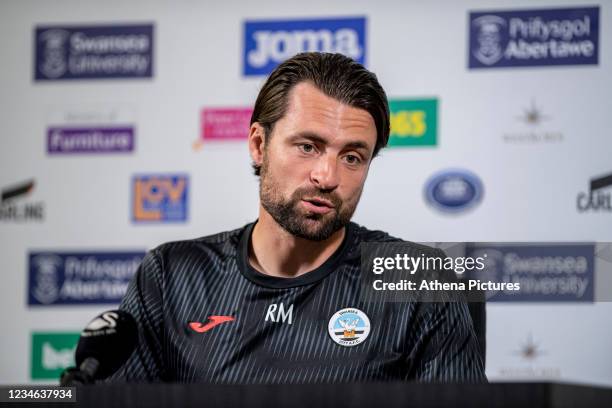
{"x":127,"y":129}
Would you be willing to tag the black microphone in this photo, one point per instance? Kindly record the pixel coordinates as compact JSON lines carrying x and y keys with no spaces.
{"x":105,"y":345}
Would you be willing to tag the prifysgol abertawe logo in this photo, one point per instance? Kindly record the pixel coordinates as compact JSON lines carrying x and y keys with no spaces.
{"x":12,"y":208}
{"x":71,"y":278}
{"x":349,"y":327}
{"x":596,"y":200}
{"x":529,"y":37}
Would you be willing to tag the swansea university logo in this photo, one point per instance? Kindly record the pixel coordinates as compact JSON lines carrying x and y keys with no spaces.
{"x":268,"y":43}
{"x":546,"y":272}
{"x":93,"y":51}
{"x":349,"y":327}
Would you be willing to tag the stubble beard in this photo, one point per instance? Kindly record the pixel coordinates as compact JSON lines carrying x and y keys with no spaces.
{"x":298,"y":222}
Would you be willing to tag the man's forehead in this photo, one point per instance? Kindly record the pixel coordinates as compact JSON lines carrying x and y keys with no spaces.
{"x":309,"y":106}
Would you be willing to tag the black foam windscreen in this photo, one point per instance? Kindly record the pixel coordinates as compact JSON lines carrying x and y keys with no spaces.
{"x":110,"y":338}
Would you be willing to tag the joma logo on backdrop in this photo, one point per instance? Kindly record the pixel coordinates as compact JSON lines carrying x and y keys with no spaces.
{"x":519,"y":38}
{"x":268,"y":43}
{"x":87,"y":52}
{"x":160,"y":198}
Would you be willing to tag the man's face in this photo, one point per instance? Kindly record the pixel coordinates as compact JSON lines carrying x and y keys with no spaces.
{"x":315,"y":163}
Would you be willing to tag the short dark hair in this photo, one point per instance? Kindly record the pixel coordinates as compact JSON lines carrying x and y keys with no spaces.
{"x":336,"y":76}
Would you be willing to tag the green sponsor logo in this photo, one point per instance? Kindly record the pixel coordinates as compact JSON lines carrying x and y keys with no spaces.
{"x":52,"y":353}
{"x":414,"y":122}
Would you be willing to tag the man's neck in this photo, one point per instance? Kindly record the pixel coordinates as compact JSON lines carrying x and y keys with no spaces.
{"x":276,"y":252}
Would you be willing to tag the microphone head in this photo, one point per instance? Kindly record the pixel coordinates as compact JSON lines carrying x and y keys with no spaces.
{"x":110,"y":338}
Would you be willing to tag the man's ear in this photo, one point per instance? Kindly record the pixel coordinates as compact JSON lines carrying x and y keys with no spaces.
{"x":257,"y":141}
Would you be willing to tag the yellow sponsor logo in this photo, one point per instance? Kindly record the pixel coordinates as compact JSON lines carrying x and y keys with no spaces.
{"x":408,"y":123}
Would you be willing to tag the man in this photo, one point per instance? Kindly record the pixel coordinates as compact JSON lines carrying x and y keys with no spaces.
{"x":278,"y":301}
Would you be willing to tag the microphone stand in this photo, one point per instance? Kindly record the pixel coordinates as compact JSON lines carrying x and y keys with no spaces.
{"x":84,"y":375}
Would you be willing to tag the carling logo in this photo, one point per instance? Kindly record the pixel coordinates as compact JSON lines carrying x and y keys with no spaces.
{"x":598,"y":198}
{"x":521,"y":38}
{"x":221,"y":124}
{"x":414,"y":122}
{"x":12,"y":207}
{"x":65,"y":140}
{"x":95,"y":51}
{"x":160,"y":198}
{"x":268,"y":43}
{"x":68,"y":278}
{"x":545,"y":272}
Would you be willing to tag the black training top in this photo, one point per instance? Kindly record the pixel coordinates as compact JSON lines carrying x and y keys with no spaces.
{"x":206,"y":315}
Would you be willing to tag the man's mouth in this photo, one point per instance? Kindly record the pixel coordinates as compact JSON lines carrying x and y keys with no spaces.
{"x":318,"y":205}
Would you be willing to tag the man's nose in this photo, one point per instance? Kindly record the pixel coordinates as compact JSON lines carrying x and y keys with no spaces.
{"x":325,"y":174}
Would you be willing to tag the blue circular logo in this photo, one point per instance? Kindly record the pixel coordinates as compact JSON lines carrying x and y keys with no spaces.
{"x":453,"y":190}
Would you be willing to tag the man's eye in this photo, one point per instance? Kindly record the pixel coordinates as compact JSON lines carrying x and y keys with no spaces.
{"x":307,"y":148}
{"x":352,"y":159}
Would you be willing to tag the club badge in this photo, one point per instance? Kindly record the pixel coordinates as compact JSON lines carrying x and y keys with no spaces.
{"x":349,"y":327}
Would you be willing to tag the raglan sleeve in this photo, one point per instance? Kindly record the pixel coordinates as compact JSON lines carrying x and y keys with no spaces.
{"x":449,"y":350}
{"x":144,"y":301}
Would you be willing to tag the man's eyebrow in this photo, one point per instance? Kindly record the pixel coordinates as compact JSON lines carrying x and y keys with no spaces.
{"x":357,"y":145}
{"x":315,"y":137}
